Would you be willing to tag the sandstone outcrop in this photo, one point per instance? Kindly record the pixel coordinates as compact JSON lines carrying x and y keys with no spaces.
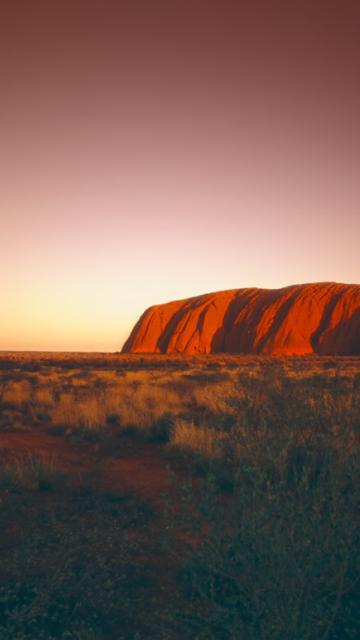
{"x":321,"y":318}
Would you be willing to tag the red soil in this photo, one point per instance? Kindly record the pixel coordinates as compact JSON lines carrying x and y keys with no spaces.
{"x":138,"y":467}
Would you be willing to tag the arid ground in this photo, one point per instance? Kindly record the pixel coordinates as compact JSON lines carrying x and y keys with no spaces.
{"x":176,"y":497}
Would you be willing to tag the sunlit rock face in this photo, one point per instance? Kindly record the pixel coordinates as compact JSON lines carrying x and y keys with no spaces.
{"x":322,"y":318}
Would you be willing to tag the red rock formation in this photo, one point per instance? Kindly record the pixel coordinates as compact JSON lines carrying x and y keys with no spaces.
{"x":321,"y":318}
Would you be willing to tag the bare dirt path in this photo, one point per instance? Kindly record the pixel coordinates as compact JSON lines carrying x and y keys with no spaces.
{"x":130,"y":466}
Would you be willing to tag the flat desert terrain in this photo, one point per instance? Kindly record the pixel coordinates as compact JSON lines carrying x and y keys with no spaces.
{"x":174,"y":497}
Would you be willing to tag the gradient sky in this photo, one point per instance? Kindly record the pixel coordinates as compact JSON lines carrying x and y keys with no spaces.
{"x":153,"y":151}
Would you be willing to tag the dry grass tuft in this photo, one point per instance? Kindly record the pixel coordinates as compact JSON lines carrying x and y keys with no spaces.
{"x":88,"y":413}
{"x":193,"y":438}
{"x":17,"y":393}
{"x":31,"y":472}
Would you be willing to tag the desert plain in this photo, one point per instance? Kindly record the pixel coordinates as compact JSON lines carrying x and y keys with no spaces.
{"x":179,"y":496}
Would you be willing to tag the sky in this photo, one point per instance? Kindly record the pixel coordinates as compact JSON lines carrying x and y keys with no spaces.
{"x":154,"y":151}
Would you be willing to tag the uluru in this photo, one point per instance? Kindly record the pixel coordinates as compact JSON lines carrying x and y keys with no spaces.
{"x":321,"y":318}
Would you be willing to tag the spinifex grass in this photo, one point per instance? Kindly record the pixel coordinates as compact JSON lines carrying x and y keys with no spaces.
{"x":32,"y":471}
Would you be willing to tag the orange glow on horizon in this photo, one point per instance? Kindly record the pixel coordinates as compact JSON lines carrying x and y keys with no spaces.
{"x":160,"y":153}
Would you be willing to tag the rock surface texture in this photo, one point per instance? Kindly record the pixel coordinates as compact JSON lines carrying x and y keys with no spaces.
{"x":322,"y":318}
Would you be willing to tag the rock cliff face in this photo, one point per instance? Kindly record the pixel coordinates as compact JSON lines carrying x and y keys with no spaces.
{"x":321,"y":318}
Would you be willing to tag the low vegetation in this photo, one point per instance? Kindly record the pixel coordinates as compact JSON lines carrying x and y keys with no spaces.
{"x":31,"y":471}
{"x":260,"y":524}
{"x":71,"y":572}
{"x":275,"y":551}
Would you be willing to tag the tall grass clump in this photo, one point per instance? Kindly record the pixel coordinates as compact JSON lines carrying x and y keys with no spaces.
{"x":196,"y":439}
{"x":31,"y":472}
{"x":85,"y":412}
{"x":16,"y":393}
